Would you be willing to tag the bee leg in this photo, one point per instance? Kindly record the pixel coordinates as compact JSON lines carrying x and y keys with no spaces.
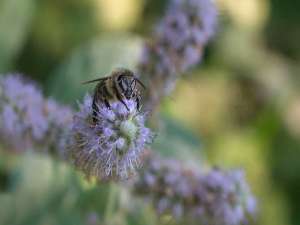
{"x":121,"y":100}
{"x":95,"y":111}
{"x":106,"y":103}
{"x":104,"y":95}
{"x":138,"y":103}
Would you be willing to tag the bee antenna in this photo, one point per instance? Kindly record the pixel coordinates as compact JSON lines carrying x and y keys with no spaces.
{"x":95,"y":80}
{"x":140,"y":82}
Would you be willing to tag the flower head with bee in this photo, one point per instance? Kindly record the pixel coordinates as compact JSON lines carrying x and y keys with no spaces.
{"x":110,"y":146}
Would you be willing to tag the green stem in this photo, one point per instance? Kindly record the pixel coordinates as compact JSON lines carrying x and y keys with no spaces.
{"x":111,"y":203}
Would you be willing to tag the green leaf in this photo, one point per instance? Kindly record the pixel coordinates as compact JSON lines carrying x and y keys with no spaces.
{"x":176,"y":141}
{"x":15,"y":18}
{"x":93,"y":60}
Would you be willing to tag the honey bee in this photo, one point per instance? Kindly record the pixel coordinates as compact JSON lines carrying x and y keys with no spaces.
{"x":119,"y":85}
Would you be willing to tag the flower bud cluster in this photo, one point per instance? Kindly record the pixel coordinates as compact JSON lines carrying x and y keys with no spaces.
{"x":214,"y":198}
{"x":27,"y":119}
{"x":177,"y":44}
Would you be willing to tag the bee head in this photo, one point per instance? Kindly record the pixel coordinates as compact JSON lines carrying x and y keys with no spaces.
{"x":128,"y":82}
{"x":127,"y":85}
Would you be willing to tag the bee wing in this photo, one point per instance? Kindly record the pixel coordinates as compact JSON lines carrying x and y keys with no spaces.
{"x":95,"y":80}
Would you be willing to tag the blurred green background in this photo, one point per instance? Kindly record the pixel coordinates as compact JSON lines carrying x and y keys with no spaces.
{"x":242,"y":102}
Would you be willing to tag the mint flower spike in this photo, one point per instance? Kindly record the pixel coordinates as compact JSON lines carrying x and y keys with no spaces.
{"x":177,"y":45}
{"x":60,"y":118}
{"x":108,"y":148}
{"x":27,"y":119}
{"x":215,"y":197}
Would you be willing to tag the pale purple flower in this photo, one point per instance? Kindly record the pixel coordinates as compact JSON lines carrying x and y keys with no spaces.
{"x":109,"y":147}
{"x":225,"y":197}
{"x":177,"y":45}
{"x":21,"y":111}
{"x":27,"y":119}
{"x":216,"y":197}
{"x":27,"y":102}
{"x":60,"y":118}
